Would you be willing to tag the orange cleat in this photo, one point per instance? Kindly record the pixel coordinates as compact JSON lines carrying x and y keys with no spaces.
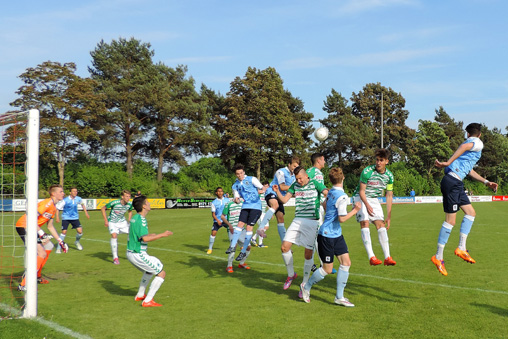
{"x":136,"y":298}
{"x":464,"y":255}
{"x":440,"y":265}
{"x":41,"y":280}
{"x":390,"y":262}
{"x":375,"y":261}
{"x":151,"y":303}
{"x":247,"y":267}
{"x":230,"y":269}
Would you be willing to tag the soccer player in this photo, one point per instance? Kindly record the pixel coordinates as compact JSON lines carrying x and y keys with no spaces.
{"x":46,"y":210}
{"x":331,"y":241}
{"x":217,"y":207}
{"x":230,"y":217}
{"x":248,"y":188}
{"x":373,"y":180}
{"x":137,"y":255}
{"x":304,"y":227}
{"x":457,"y":167}
{"x":283,"y":178}
{"x":116,"y":222}
{"x":69,"y":206}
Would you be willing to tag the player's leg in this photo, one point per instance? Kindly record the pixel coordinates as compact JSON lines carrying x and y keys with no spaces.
{"x":281,"y":227}
{"x":273,"y":204}
{"x":325,"y":251}
{"x":79,"y":234}
{"x":154,"y":287}
{"x":215,"y":228}
{"x":252,"y":219}
{"x":382,"y":234}
{"x":465,"y":227}
{"x":307,"y":239}
{"x":242,"y":220}
{"x":42,"y":254}
{"x":243,"y":243}
{"x":143,"y":284}
{"x":287,"y":255}
{"x":342,"y":278}
{"x":113,"y":229}
{"x":363,"y":218}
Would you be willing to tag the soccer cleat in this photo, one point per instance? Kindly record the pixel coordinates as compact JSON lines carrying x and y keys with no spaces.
{"x":344,"y":302}
{"x":464,"y":255}
{"x":151,"y":303}
{"x":78,"y":246}
{"x":229,"y":250}
{"x":262,"y":246}
{"x":116,"y":261}
{"x":209,"y":251}
{"x":440,"y":265}
{"x":289,"y":281}
{"x":375,"y":261}
{"x":253,"y":243}
{"x":21,"y":288}
{"x":229,"y":269}
{"x":390,"y":262}
{"x":304,"y":294}
{"x":136,"y":298}
{"x":241,"y":256}
{"x":247,"y":267}
{"x":41,"y":280}
{"x":261,"y":233}
{"x":58,"y":250}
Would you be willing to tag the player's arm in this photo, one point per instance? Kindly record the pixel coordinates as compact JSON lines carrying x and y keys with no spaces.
{"x":283,"y":198}
{"x":226,"y":221}
{"x":130,"y":216}
{"x":85,"y":210}
{"x":342,"y":208}
{"x":153,"y":236}
{"x":363,"y":197}
{"x":214,"y":216}
{"x":389,"y":200}
{"x":57,"y":216}
{"x":103,"y":211}
{"x":477,"y":177}
{"x":462,"y":148}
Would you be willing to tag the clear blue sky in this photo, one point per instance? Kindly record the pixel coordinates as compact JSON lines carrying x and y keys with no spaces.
{"x":435,"y":53}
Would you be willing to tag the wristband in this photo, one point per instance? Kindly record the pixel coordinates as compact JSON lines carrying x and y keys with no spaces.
{"x":59,"y":240}
{"x":486,"y":182}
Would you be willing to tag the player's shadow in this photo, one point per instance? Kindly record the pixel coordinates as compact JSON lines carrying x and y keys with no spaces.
{"x":215,"y":267}
{"x":494,"y":309}
{"x":115,"y":289}
{"x":106,"y":256}
{"x":354,"y":288}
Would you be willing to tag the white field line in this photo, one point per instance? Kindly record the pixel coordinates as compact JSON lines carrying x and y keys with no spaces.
{"x":409,"y":281}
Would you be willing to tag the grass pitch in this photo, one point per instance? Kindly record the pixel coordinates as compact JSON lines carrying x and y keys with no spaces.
{"x":88,"y":296}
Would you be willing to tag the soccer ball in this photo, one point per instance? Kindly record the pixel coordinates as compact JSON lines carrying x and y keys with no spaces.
{"x":321,"y":133}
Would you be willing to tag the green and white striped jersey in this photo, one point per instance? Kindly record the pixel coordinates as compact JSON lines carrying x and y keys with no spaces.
{"x":307,"y":199}
{"x":118,"y":210}
{"x":376,"y":182}
{"x":232,"y":212}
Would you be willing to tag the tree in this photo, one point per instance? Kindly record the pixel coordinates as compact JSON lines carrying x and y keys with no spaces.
{"x":349,"y":138}
{"x":66,"y":103}
{"x":259,"y":123}
{"x":453,"y":129}
{"x":123,"y":71}
{"x":366,"y":105}
{"x":493,"y":164}
{"x":180,"y":119}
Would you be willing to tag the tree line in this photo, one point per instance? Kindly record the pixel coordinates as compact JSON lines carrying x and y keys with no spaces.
{"x":137,"y":124}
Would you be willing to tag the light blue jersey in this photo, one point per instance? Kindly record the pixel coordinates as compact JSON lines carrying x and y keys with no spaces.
{"x":218,"y":206}
{"x":248,"y":190}
{"x":336,"y":205}
{"x":69,"y":207}
{"x":282,"y":176}
{"x":467,"y":160}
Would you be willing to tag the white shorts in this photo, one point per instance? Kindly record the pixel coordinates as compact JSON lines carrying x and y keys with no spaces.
{"x":119,"y":227}
{"x":363,"y":215}
{"x":302,"y":232}
{"x":145,"y":262}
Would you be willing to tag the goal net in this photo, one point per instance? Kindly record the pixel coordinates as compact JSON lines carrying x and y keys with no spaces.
{"x":19,"y":153}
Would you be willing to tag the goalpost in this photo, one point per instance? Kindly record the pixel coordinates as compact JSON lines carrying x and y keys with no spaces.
{"x":19,"y":138}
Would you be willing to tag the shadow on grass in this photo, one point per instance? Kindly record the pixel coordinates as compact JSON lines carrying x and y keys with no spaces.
{"x":115,"y":289}
{"x":494,"y":309}
{"x":106,"y":256}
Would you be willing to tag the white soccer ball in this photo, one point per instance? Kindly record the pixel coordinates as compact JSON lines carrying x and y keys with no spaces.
{"x":321,"y":133}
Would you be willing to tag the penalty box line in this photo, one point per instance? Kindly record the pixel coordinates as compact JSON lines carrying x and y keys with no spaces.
{"x":409,"y":281}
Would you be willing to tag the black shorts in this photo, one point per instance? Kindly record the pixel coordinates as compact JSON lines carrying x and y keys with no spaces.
{"x":453,"y":194}
{"x":22,"y":233}
{"x":274,"y":196}
{"x":74,"y":223}
{"x":216,"y":226}
{"x":249,"y":216}
{"x":331,"y":247}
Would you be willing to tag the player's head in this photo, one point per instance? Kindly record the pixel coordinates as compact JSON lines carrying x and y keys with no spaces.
{"x":219,"y":192}
{"x":74,"y":191}
{"x":382,"y":156}
{"x":126,"y":196}
{"x":336,"y":175}
{"x":318,"y":160}
{"x":293,"y":163}
{"x":239,"y":171}
{"x":474,"y":130}
{"x":56,"y":192}
{"x":140,"y":202}
{"x":301,"y":176}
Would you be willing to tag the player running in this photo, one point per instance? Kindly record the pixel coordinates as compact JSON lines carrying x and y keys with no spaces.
{"x":457,"y":167}
{"x":116,"y":222}
{"x":69,"y":206}
{"x":137,"y":255}
{"x":373,"y":180}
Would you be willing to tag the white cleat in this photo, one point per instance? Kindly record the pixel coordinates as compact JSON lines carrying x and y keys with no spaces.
{"x":305,"y":293}
{"x":78,"y":246}
{"x":58,"y":250}
{"x":344,"y":302}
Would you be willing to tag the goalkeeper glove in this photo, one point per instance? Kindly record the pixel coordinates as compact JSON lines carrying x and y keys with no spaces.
{"x":64,"y":246}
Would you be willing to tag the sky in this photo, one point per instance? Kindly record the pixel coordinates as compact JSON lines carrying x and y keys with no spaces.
{"x":452,"y":54}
